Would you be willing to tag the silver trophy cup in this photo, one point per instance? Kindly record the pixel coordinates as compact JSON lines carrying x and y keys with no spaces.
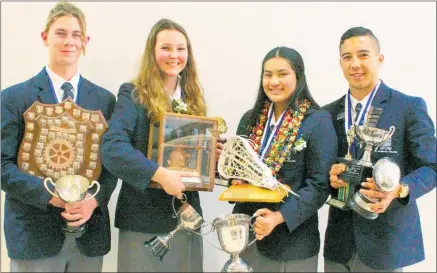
{"x":386,"y":174}
{"x":357,"y":170}
{"x":372,"y":137}
{"x":233,"y":234}
{"x":232,"y":231}
{"x":188,"y":219}
{"x":71,"y":189}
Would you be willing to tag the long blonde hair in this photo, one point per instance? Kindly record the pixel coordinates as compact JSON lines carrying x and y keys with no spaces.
{"x":66,"y":9}
{"x":149,"y":82}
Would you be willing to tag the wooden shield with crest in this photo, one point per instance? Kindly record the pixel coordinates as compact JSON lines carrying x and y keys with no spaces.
{"x":61,"y":139}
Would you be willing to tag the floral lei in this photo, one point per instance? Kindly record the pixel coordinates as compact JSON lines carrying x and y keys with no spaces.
{"x":285,"y":138}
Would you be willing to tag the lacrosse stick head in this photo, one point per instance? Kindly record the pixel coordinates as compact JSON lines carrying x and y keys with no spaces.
{"x":239,"y":160}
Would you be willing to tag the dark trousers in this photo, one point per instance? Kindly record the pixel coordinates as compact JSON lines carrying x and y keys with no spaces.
{"x":354,"y":265}
{"x":70,"y":259}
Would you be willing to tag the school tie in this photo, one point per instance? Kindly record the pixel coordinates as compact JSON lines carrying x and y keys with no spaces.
{"x":358,"y":108}
{"x":356,"y":145}
{"x":68,"y":93}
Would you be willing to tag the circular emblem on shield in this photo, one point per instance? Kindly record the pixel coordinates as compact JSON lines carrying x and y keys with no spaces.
{"x":62,"y":139}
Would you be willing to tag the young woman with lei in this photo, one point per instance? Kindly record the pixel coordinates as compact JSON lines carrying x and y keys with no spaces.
{"x":298,"y":142}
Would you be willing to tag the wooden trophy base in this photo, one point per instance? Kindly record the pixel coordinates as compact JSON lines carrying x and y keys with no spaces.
{"x":251,"y":193}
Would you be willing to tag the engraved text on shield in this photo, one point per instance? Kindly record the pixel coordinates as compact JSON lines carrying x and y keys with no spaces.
{"x":61,"y":139}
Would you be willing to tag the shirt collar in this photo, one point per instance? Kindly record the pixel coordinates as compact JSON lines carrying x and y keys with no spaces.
{"x":58,"y":81}
{"x":274,"y":121}
{"x":363,"y":102}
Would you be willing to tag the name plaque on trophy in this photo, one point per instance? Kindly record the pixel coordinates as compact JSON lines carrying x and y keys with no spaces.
{"x":251,"y":193}
{"x":186,"y":143}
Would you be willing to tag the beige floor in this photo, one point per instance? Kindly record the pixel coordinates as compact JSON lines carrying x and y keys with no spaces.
{"x":214,"y":259}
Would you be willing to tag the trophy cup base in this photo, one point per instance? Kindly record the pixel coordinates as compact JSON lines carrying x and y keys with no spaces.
{"x":74,"y":230}
{"x":237,"y":265}
{"x":360,"y":204}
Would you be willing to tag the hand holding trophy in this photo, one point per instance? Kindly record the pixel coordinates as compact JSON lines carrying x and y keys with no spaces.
{"x":186,"y":144}
{"x":71,"y":189}
{"x":61,"y":143}
{"x":356,"y":171}
{"x":386,"y":174}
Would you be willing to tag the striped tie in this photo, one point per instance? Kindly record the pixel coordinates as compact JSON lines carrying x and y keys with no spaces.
{"x":358,"y":108}
{"x":68,"y":93}
{"x":356,"y":145}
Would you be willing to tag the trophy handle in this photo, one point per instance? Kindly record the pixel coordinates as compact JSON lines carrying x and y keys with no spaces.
{"x":47,"y":188}
{"x":390,"y":133}
{"x":98,"y":189}
{"x":213,"y":228}
{"x":251,"y":225}
{"x":183,"y":200}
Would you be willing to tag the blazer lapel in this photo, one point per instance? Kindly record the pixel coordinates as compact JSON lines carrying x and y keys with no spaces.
{"x":380,"y":101}
{"x":87,"y":98}
{"x":382,"y":96}
{"x":340,"y":119}
{"x":45,"y":94}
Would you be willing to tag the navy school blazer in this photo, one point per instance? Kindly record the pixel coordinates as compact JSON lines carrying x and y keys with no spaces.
{"x":124,"y":153}
{"x":394,"y":239}
{"x":306,"y":172}
{"x":32,"y":226}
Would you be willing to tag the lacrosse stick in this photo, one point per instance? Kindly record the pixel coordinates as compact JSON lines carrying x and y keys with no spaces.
{"x":238,"y":160}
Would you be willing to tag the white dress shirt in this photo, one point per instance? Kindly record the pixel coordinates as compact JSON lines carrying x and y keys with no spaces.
{"x":363,"y":102}
{"x":58,"y":81}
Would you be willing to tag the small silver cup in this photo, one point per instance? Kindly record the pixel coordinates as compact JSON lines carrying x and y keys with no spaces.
{"x":188,"y":219}
{"x":71,"y":189}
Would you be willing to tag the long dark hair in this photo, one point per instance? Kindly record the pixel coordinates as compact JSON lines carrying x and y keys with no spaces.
{"x":302,"y":92}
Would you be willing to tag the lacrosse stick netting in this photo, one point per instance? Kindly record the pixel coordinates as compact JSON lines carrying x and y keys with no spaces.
{"x":238,"y":160}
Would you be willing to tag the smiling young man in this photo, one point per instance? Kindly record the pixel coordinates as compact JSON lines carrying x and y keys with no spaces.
{"x":394,"y":239}
{"x":33,"y":217}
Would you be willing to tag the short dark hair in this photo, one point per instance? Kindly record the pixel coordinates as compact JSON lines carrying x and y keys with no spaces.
{"x":358,"y":31}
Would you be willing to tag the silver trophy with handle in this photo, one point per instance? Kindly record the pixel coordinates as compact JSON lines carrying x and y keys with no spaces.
{"x":232,"y":230}
{"x":71,"y":189}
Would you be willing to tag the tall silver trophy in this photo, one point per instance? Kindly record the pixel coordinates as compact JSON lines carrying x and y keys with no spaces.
{"x":357,"y":170}
{"x":232,"y":231}
{"x":386,"y":171}
{"x":71,"y":189}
